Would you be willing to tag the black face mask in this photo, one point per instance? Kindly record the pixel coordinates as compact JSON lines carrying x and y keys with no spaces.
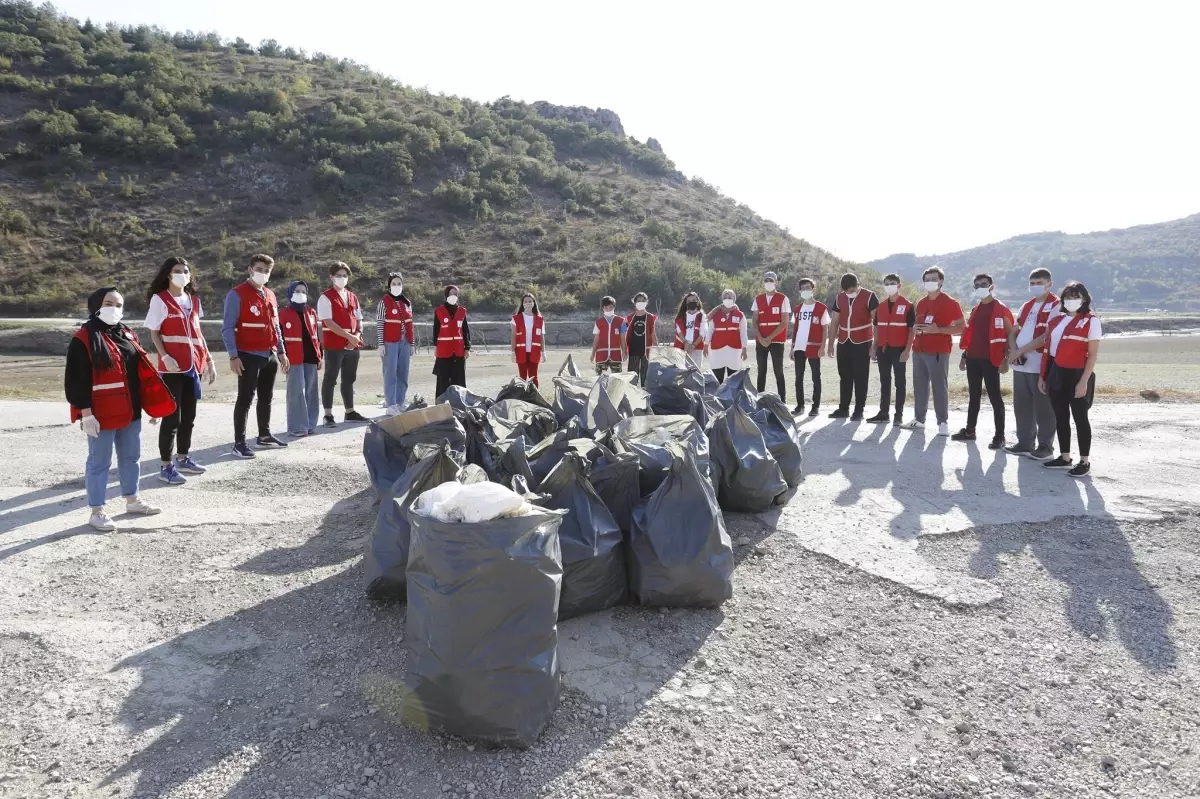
{"x":693,"y":306}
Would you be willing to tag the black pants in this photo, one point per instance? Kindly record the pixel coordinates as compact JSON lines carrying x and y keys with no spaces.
{"x":890,"y":366}
{"x":981,"y":372}
{"x":639,"y":364}
{"x":1060,"y":385}
{"x":343,"y":363}
{"x":800,"y":360}
{"x":177,"y":428}
{"x":257,"y":378}
{"x":854,"y":369}
{"x":450,"y":372}
{"x":722,"y":373}
{"x":776,"y":349}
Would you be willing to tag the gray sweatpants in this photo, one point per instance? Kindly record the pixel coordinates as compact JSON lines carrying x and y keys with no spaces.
{"x":1034,"y":413}
{"x":931,"y":370}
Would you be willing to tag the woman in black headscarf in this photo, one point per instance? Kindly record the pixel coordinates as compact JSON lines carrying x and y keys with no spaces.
{"x":109,"y":382}
{"x":451,"y":342}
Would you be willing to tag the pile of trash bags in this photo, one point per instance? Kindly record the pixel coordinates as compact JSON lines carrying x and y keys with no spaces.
{"x":517,"y":513}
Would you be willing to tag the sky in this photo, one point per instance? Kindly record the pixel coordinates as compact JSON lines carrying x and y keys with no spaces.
{"x":867,"y":128}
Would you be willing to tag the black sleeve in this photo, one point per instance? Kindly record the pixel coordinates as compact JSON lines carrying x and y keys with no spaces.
{"x":911,"y":317}
{"x":78,"y":380}
{"x":872,"y":303}
{"x":466,"y":334}
{"x":437,"y":331}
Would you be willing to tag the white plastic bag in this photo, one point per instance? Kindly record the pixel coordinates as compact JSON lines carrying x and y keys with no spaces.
{"x":477,"y":502}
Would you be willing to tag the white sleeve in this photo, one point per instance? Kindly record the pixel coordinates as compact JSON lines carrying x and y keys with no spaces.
{"x":324,"y":308}
{"x":826,"y":320}
{"x":787,"y":307}
{"x":512,"y":323}
{"x":1094,"y":330}
{"x":595,"y":330}
{"x":156,"y":314}
{"x":199,"y":307}
{"x":745,"y":332}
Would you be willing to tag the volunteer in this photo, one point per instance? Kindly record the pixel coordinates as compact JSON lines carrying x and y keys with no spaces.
{"x":852,"y":316}
{"x":341,"y":339}
{"x":984,"y":346}
{"x":1068,"y":374}
{"x":690,"y":328}
{"x":727,"y":338}
{"x":606,"y":337}
{"x":452,"y":342}
{"x":639,"y":336}
{"x":770,"y":321}
{"x":109,"y":382}
{"x":1031,"y":408}
{"x":810,"y":320}
{"x":299,"y":325}
{"x":394,"y":336}
{"x":252,"y":338}
{"x":173,"y":319}
{"x":939,"y":318}
{"x":528,"y":338}
{"x":894,"y":321}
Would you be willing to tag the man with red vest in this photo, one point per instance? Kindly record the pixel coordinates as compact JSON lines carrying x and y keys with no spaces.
{"x":984,"y":346}
{"x":853,"y":315}
{"x":394,"y":334}
{"x":341,"y":338}
{"x":528,"y":338}
{"x":452,"y":337}
{"x":939,"y":318}
{"x":303,"y":347}
{"x":607,"y":348}
{"x":639,"y":337}
{"x":770,"y":322}
{"x":894,"y":321}
{"x":810,"y":320}
{"x":250,"y":331}
{"x":1032,"y":409}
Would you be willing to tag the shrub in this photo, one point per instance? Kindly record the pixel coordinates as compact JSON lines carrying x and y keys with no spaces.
{"x":455,"y":196}
{"x":14,"y":222}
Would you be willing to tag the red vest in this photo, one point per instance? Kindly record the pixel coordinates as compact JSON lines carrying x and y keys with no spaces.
{"x":293,"y":335}
{"x":1073,"y":346}
{"x":345,"y":315}
{"x":397,"y":320}
{"x":681,"y":332}
{"x":181,"y":335}
{"x":854,"y":320}
{"x":608,"y":346}
{"x":450,"y":342}
{"x":1049,"y":303}
{"x":255,"y":328}
{"x":112,"y":404}
{"x":891,"y":323}
{"x":770,"y":314}
{"x":816,"y":330}
{"x":538,"y":335}
{"x":1002,"y":319}
{"x":651,"y":321}
{"x":727,"y":328}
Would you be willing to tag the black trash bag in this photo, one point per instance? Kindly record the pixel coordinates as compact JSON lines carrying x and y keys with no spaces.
{"x":569,"y":369}
{"x":460,"y":399}
{"x":546,"y":455}
{"x":670,"y":399}
{"x":387,"y":456}
{"x":481,"y":632}
{"x":509,"y":459}
{"x":615,"y":478}
{"x":521,"y":486}
{"x":417,"y":403}
{"x":524,"y":390}
{"x":647,"y":438}
{"x":571,"y":398}
{"x":711,"y":383}
{"x":738,"y":389}
{"x":478,"y":445}
{"x":614,"y":397}
{"x":674,"y":366}
{"x":472,"y":473}
{"x":779,"y":430}
{"x":679,"y":552}
{"x":386,"y":554}
{"x":747,"y":477}
{"x":512,"y":418}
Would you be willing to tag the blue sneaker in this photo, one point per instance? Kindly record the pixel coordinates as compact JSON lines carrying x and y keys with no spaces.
{"x":188,"y":466}
{"x":170,"y":475}
{"x":240,"y":450}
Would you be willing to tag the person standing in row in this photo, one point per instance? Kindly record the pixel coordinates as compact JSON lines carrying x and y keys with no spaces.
{"x":303,"y":348}
{"x":770,"y":321}
{"x":810,"y":320}
{"x":395,"y":337}
{"x":691,"y":331}
{"x":1069,"y":374}
{"x":1036,"y":425}
{"x":341,"y":338}
{"x":939,"y":318}
{"x":109,"y":382}
{"x":528,"y":338}
{"x":640,"y":336}
{"x":853,"y":314}
{"x":250,"y":331}
{"x":894,"y":322}
{"x":452,"y":337}
{"x":606,"y":337}
{"x":173,"y":319}
{"x":984,"y":346}
{"x":727,"y":337}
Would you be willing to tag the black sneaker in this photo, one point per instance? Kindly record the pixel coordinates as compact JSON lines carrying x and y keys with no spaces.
{"x":799,"y":409}
{"x":1042,"y":453}
{"x":269,"y":441}
{"x":240,"y":450}
{"x":898,"y":419}
{"x":963,"y":435}
{"x":997,"y":442}
{"x":1080,"y":470}
{"x":813,"y":413}
{"x":329,"y":420}
{"x":1018,"y":449}
{"x":1058,"y":463}
{"x":880,"y":418}
{"x":840,"y":413}
{"x":355,"y":416}
{"x":857,"y":416}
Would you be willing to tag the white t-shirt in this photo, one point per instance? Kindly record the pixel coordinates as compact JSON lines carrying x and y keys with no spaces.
{"x":1094,"y":333}
{"x":157,"y":312}
{"x":325,"y":307}
{"x":1033,"y":360}
{"x":804,"y":324}
{"x":529,"y":326}
{"x":690,"y":326}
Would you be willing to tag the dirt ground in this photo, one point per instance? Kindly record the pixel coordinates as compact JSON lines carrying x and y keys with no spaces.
{"x":922,"y":619}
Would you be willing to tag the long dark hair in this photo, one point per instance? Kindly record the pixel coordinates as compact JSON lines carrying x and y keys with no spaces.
{"x":162,"y":278}
{"x":101,"y":359}
{"x":521,"y":304}
{"x":683,"y":304}
{"x":1075,"y":287}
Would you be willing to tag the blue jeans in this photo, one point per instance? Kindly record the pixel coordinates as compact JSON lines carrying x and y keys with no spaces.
{"x":303,"y":403}
{"x":128,"y":442}
{"x":395,"y":371}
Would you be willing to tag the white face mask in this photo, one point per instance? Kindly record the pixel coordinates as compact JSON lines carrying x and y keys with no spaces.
{"x":851,"y":293}
{"x":181,"y":279}
{"x":452,"y":299}
{"x":807,"y":294}
{"x":299,"y":299}
{"x":396,"y":290}
{"x":769,"y":286}
{"x":983,"y":292}
{"x":609,"y":314}
{"x":640,"y":305}
{"x":1037,"y":289}
{"x":932,"y":285}
{"x":260,"y":278}
{"x":891,"y":290}
{"x":109,"y":314}
{"x":341,"y":282}
{"x":728,"y":303}
{"x":1072,"y":305}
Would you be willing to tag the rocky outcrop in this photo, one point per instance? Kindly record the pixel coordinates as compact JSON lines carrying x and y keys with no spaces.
{"x":598,"y":118}
{"x":653,"y":144}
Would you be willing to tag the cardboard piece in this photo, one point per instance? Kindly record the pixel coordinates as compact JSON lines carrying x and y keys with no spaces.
{"x":408,"y":421}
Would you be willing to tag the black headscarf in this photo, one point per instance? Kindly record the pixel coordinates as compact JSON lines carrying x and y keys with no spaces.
{"x":97,"y":329}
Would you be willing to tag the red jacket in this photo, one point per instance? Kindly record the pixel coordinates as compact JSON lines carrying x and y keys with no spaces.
{"x":450,"y":341}
{"x":345,"y":315}
{"x":397,"y":320}
{"x":293,"y":334}
{"x":770,"y":314}
{"x":680,"y":341}
{"x":181,"y":335}
{"x":112,"y":404}
{"x":1073,"y":346}
{"x":608,"y":340}
{"x":816,"y":328}
{"x":854,"y":320}
{"x":1049,"y":303}
{"x":1002,"y":322}
{"x":726,"y":328}
{"x":891,"y":323}
{"x":537,"y":336}
{"x":257,"y":315}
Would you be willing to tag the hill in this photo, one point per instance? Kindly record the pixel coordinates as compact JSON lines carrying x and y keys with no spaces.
{"x":121,"y":146}
{"x":1132,"y":268}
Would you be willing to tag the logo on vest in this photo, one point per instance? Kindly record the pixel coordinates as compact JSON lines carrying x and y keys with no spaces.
{"x":287,"y":325}
{"x":395,"y":311}
{"x":901,"y":308}
{"x":254,"y":310}
{"x":998,"y":323}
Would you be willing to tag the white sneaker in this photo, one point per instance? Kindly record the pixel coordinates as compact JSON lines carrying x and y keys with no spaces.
{"x":392,"y":410}
{"x":100,"y":521}
{"x":913,"y":424}
{"x":142,"y":508}
{"x":943,"y":429}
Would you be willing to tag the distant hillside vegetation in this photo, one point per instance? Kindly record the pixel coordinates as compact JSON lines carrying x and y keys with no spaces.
{"x":121,"y":146}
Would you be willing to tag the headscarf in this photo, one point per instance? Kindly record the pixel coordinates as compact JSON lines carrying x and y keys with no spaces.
{"x":101,"y":359}
{"x":291,"y":290}
{"x":446,"y":293}
{"x":387,"y":288}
